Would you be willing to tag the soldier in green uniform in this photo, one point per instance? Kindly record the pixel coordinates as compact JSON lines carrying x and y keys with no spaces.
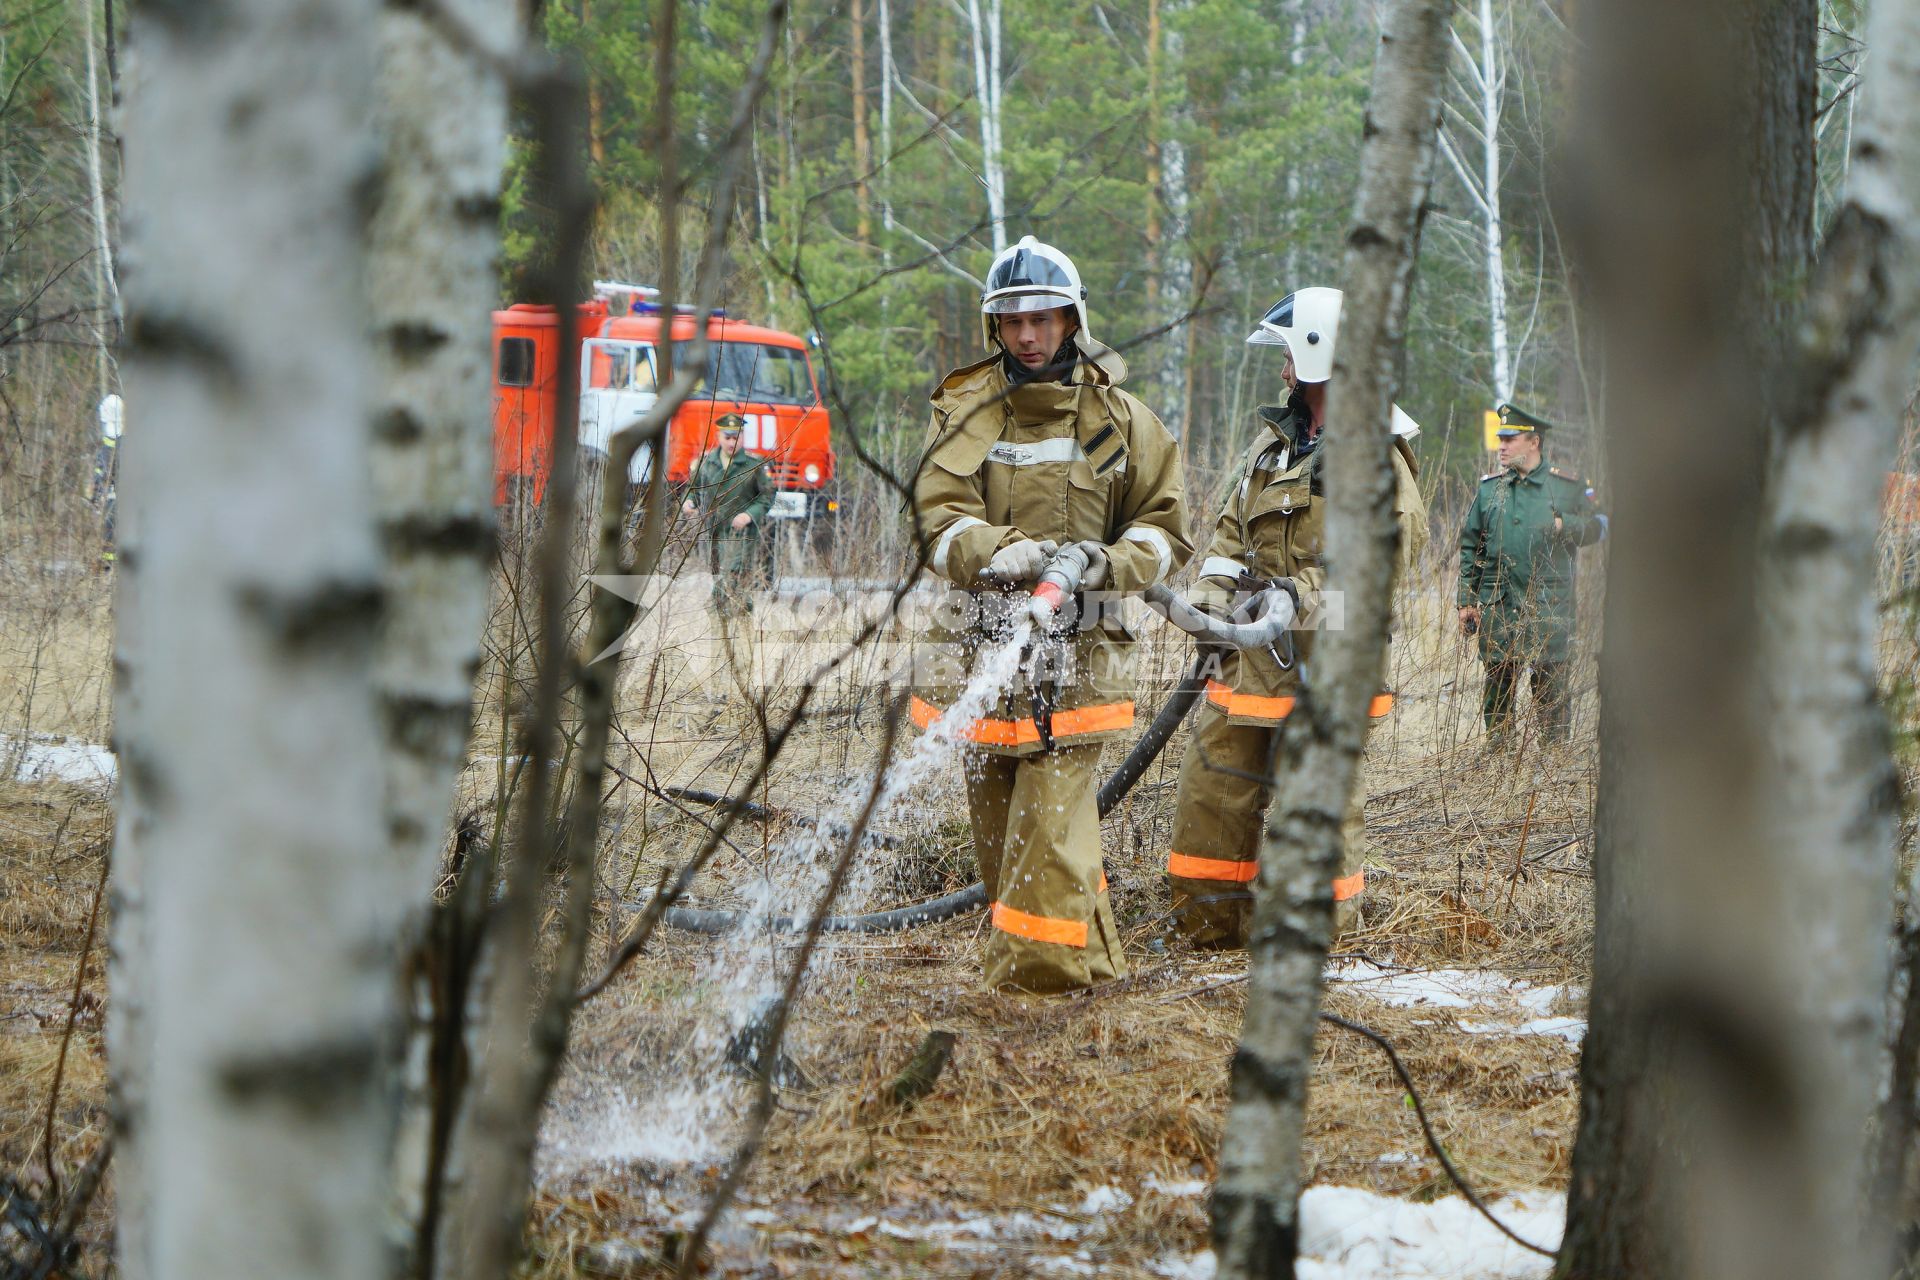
{"x":734,"y":489}
{"x":1517,"y":555}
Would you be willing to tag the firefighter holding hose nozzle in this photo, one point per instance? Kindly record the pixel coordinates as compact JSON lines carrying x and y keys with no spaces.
{"x":1043,"y":485}
{"x":1266,"y":556}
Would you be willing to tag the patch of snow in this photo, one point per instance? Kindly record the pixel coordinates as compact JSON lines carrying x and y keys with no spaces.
{"x":1350,"y":1234}
{"x":1527,"y":1008}
{"x":45,"y":758}
{"x":1079,"y":1264}
{"x":1199,"y":1266}
{"x":1442,"y":988}
{"x":1104,"y":1200}
{"x":1572,"y":1030}
{"x":1196,"y":1187}
{"x":1398,"y":1157}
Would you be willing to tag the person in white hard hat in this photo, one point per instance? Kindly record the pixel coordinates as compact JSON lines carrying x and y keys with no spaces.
{"x":1035,"y":457}
{"x":106,"y":469}
{"x":1267,"y":553}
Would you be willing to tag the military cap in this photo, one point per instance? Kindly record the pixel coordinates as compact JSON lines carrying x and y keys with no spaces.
{"x":1513,"y":421}
{"x":730,"y":424}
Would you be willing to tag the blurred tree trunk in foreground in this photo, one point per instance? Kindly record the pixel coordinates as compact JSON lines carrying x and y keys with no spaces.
{"x":301,"y":603}
{"x":1742,"y":892}
{"x":252,"y":748}
{"x":1256,"y":1203}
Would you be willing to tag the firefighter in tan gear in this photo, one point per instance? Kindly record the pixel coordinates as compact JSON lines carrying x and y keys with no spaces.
{"x":1269,"y":541}
{"x":1036,"y":458}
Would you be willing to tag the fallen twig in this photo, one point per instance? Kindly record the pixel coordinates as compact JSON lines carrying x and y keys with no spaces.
{"x":1426,"y":1127}
{"x":73,"y":1016}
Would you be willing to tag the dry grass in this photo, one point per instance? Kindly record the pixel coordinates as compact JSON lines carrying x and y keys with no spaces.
{"x":52,"y":842}
{"x":1045,"y":1100}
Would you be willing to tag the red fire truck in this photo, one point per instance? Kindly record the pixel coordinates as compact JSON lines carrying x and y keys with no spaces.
{"x":764,"y":375}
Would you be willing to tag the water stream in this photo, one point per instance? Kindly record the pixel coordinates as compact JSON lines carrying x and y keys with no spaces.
{"x":682,"y":1108}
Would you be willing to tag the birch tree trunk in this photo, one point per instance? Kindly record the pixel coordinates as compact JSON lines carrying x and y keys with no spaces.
{"x":430,"y":277}
{"x":106,"y":287}
{"x":1698,"y":1151}
{"x":253,"y":746}
{"x":1492,"y":85}
{"x":862,"y":148}
{"x":1256,"y":1204}
{"x":1839,"y":796}
{"x":1834,"y":807}
{"x":985,"y":29}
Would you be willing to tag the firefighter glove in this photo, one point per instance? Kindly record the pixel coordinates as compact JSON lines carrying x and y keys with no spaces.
{"x":1096,"y":575}
{"x":1019,"y":561}
{"x":1282,"y":597}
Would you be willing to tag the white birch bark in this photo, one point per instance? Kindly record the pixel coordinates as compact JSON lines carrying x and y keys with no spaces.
{"x":886,"y":130}
{"x":985,"y":31}
{"x":1492,"y":85}
{"x":1255,"y":1204}
{"x":252,"y":746}
{"x":106,"y":288}
{"x":1296,"y":58}
{"x":1485,"y":84}
{"x":1833,"y":806}
{"x":431,"y":284}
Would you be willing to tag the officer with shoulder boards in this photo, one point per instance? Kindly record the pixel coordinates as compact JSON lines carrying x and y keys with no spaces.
{"x":1517,"y":559}
{"x":736,"y":492}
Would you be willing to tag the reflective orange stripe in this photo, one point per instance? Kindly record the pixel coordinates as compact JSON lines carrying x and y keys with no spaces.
{"x":1253,"y":704}
{"x":1191,"y":868}
{"x":1247,"y":704}
{"x":1350,"y":886}
{"x":1068,"y":933}
{"x":1068,"y":723}
{"x":1103,"y":882}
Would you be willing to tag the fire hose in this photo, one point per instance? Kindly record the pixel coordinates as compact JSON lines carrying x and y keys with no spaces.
{"x":1265,"y":632}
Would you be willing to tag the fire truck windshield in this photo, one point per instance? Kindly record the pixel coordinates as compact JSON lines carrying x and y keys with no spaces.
{"x":750,"y":372}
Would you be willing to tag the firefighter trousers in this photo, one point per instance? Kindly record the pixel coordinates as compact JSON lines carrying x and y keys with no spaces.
{"x":1036,"y":833}
{"x":1216,"y":834}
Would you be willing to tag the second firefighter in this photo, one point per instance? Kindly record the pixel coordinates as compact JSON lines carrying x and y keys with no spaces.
{"x":1270,"y":537}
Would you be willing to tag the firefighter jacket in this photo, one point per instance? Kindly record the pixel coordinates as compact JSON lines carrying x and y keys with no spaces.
{"x":1518,"y":568}
{"x":1273,"y":525}
{"x":723,"y":490}
{"x":1069,"y":461}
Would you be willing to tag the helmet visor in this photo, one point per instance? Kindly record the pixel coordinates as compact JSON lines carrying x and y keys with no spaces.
{"x":1280,"y":314}
{"x":1015,"y":303}
{"x":1268,"y":332}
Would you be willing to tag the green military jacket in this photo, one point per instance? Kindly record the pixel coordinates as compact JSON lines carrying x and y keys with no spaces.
{"x":1273,"y":525}
{"x":724,"y":491}
{"x":1518,"y":569}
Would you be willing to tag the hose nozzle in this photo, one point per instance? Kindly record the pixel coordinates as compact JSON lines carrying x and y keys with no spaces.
{"x":1052,"y":602}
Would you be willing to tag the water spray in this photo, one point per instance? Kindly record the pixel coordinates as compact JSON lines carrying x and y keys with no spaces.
{"x":1052,"y":610}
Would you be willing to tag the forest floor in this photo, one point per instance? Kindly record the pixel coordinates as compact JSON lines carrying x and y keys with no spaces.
{"x":1070,"y":1135}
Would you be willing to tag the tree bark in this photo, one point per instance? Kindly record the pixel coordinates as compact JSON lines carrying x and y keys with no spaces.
{"x":431,"y":274}
{"x":1255,"y":1205}
{"x":252,"y":746}
{"x":1696,"y":1152}
{"x":862,"y":147}
{"x":1839,"y":797}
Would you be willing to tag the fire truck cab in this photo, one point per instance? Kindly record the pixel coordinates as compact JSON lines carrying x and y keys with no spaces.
{"x":764,"y":375}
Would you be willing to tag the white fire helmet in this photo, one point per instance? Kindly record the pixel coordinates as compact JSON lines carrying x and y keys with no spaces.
{"x":1305,"y":323}
{"x":1031,"y":276}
